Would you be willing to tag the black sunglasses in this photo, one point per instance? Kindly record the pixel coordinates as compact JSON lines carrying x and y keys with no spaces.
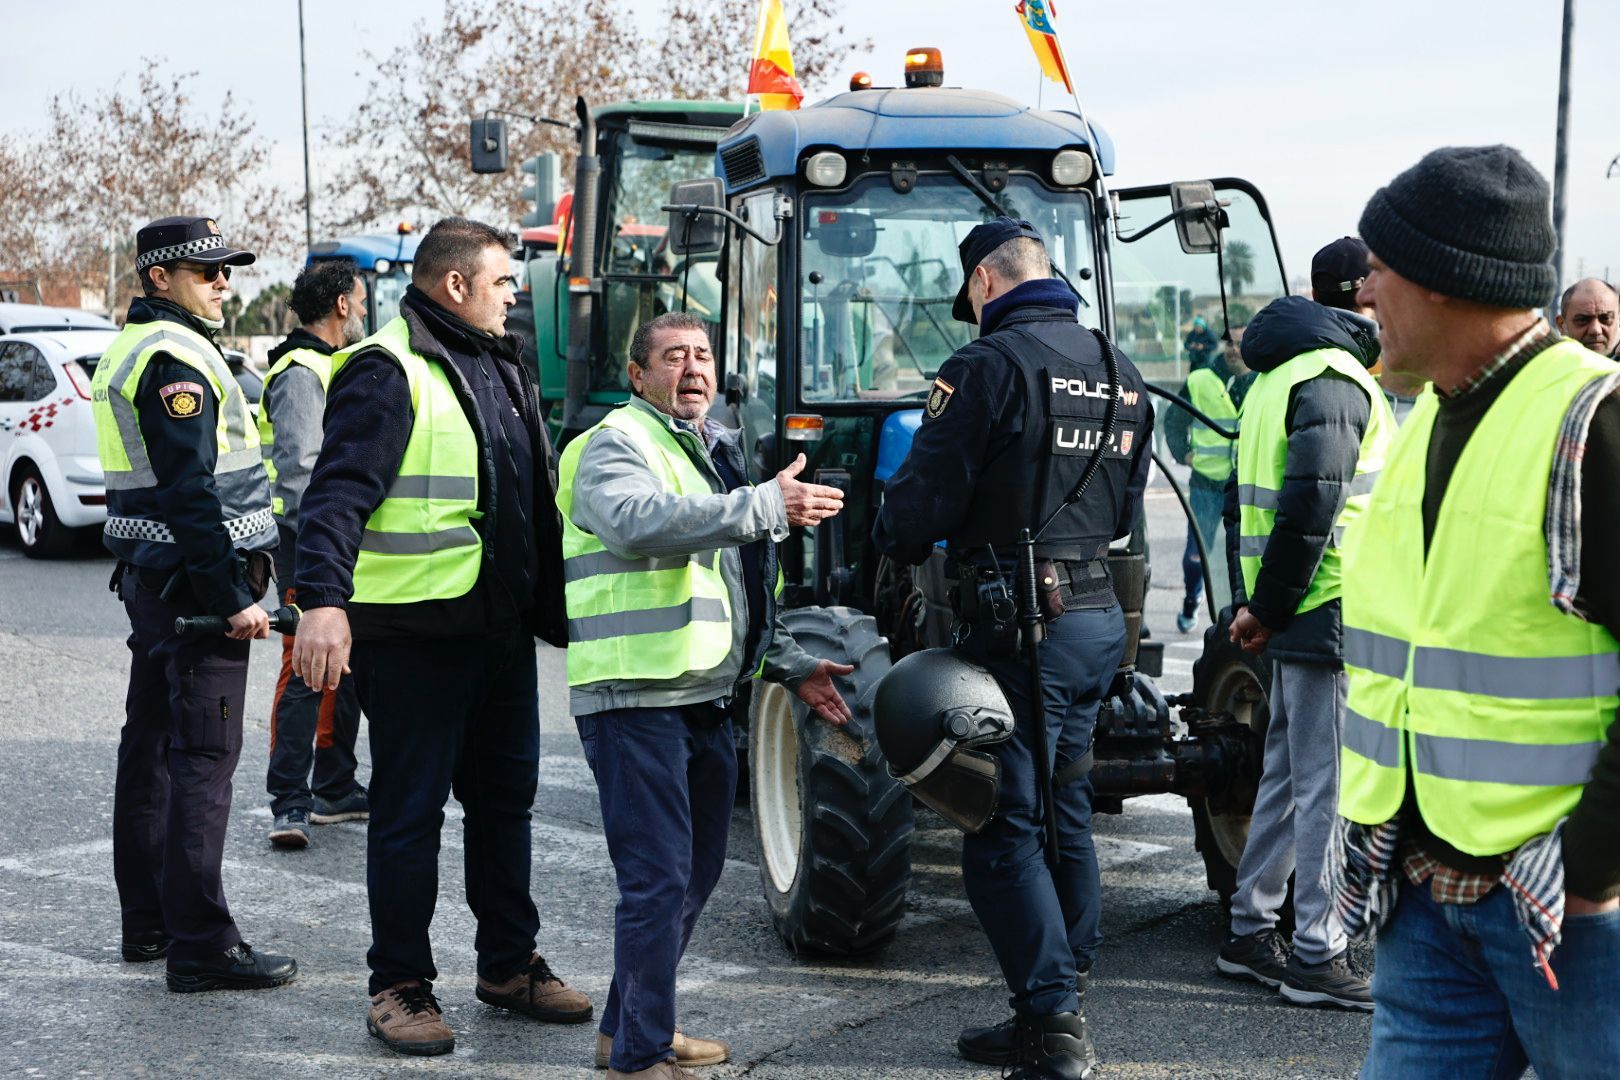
{"x":208,"y":271}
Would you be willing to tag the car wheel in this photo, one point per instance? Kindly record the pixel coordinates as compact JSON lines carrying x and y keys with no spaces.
{"x":41,"y":532}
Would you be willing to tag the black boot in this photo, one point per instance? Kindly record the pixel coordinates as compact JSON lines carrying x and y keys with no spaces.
{"x":237,"y":968}
{"x":144,"y":946}
{"x":994,"y":1045}
{"x":1056,"y":1047}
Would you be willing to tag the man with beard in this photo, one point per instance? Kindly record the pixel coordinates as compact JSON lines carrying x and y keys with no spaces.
{"x":329,"y":299}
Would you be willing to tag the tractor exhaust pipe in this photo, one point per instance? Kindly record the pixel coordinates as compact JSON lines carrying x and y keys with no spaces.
{"x":581,"y":274}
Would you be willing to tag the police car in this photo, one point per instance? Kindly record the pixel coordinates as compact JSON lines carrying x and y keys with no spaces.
{"x":52,"y":483}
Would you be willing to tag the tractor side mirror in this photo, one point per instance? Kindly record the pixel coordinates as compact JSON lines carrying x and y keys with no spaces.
{"x":846,"y":236}
{"x":487,"y":144}
{"x":1197,"y":215}
{"x":696,"y":216}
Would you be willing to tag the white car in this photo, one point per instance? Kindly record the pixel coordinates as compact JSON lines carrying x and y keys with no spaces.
{"x":27,"y":318}
{"x":51,"y":484}
{"x":52,"y":480}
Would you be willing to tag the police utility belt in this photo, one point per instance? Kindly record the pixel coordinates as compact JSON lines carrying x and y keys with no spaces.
{"x":986,"y":607}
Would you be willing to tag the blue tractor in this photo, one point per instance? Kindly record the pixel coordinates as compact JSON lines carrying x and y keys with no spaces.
{"x":384,"y":260}
{"x":833,"y":233}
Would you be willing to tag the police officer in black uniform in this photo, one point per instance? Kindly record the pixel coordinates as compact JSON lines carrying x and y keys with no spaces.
{"x":1010,"y":425}
{"x":189,"y":519}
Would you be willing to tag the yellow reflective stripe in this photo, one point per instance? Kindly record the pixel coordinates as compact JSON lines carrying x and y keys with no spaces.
{"x":1261,"y":498}
{"x":1539,"y":678}
{"x":412,"y":543}
{"x":1371,"y":739}
{"x":450,"y":488}
{"x":648,"y":621}
{"x":1377,"y":653}
{"x":1486,"y":761}
{"x":597,"y":563}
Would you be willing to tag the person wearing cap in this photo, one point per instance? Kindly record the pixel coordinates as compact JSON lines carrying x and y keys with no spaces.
{"x":308,"y":728}
{"x":1337,"y":272}
{"x":1009,"y":427}
{"x":1315,"y":429}
{"x":188,"y":516}
{"x":1480,"y":762}
{"x":1589,"y":312}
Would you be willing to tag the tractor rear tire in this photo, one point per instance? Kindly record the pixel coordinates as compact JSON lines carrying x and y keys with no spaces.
{"x":834,"y":828}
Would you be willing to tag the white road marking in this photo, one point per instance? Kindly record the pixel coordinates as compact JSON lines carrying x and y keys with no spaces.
{"x":1160,"y":804}
{"x":1113,"y":851}
{"x":697,"y":971}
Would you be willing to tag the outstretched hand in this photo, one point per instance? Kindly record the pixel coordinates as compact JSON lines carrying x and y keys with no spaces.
{"x":822,"y":696}
{"x":807,"y":504}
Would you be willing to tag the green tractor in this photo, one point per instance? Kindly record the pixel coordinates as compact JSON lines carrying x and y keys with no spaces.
{"x":825,"y":254}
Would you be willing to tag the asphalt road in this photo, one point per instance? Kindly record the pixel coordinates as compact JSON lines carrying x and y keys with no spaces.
{"x":69,"y":1007}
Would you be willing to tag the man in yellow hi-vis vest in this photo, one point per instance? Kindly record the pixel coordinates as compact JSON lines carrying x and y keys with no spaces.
{"x":1314,"y":431}
{"x":670,"y":557}
{"x":188,"y":516}
{"x":329,"y":298}
{"x":429,"y":542}
{"x":1480,"y":763}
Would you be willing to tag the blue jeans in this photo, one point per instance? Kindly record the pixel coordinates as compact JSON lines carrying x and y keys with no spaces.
{"x":1045,"y":926}
{"x":1457,"y":997}
{"x":666,"y":786}
{"x":1206,"y":497}
{"x":449,"y":715}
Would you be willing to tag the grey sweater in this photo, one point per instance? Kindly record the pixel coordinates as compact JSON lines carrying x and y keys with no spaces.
{"x":619,"y":499}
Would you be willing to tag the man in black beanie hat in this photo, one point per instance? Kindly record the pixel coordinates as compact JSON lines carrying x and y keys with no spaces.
{"x":1480,"y":762}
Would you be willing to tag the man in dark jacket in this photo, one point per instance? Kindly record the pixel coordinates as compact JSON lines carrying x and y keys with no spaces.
{"x":429,"y":532}
{"x":1314,"y":431}
{"x":329,"y":298}
{"x":1010,"y":426}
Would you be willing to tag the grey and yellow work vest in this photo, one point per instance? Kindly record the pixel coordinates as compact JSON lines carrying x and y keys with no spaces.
{"x":648,"y":618}
{"x":1263,"y":461}
{"x":318,"y":362}
{"x":1213,"y":454}
{"x":420,"y":543}
{"x":136,"y":531}
{"x":1461,"y":669}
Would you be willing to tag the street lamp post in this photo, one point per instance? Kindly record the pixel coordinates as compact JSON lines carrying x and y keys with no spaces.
{"x":1561,"y":152}
{"x":303,"y":85}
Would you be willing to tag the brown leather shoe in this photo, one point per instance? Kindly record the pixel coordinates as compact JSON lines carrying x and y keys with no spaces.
{"x":689,"y":1052}
{"x":536,"y":991}
{"x":407,"y":1018}
{"x":664,"y":1070}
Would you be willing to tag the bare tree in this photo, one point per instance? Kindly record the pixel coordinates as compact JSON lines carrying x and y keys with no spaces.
{"x":404,"y":151}
{"x":108,"y":165}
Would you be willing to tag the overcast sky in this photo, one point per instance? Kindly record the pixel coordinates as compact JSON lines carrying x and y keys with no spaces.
{"x":1316,"y":108}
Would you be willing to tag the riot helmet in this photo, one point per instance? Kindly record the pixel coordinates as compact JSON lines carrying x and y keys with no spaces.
{"x":936,"y":712}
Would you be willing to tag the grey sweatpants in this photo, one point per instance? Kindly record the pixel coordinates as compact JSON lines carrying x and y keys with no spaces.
{"x":1294,"y":811}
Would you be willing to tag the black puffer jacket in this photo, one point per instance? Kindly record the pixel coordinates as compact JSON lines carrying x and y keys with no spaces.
{"x":1326,"y":419}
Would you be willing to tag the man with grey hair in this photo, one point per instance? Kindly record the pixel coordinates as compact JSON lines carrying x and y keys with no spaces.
{"x":1590,"y":313}
{"x":429,"y":544}
{"x":669,"y":553}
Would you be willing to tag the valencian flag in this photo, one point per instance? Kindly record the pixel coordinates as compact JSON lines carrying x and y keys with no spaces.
{"x":771,"y":74}
{"x":1037,"y":16}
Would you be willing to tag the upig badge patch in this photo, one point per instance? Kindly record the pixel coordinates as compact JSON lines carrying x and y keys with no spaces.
{"x":181,"y":400}
{"x":939,"y":397}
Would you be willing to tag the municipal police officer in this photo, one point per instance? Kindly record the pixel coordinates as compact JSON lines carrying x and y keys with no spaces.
{"x":1010,"y":425}
{"x":188,"y":515}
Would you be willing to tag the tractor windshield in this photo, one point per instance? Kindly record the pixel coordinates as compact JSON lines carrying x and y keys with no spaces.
{"x":879,"y":271}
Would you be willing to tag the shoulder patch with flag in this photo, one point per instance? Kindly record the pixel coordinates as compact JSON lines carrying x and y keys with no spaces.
{"x":181,"y":400}
{"x":939,"y":397}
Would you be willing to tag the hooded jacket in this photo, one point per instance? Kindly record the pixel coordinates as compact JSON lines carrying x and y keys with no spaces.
{"x":1326,"y":419}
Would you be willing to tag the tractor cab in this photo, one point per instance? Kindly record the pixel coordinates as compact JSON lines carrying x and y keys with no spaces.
{"x":384,"y":261}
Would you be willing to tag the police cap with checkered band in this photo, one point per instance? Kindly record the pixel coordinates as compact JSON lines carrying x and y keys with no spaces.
{"x":195,"y":239}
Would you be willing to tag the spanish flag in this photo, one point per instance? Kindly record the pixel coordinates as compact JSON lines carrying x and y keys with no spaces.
{"x":1037,"y":16}
{"x":771,"y":74}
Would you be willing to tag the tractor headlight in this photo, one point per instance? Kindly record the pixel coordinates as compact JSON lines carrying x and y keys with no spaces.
{"x":1071,"y":168}
{"x":826,"y":169}
{"x":382,"y":267}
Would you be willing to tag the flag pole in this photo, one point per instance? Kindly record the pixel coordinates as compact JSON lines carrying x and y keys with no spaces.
{"x":1091,"y":132}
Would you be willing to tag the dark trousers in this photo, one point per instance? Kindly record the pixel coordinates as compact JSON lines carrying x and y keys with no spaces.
{"x":666,"y":786}
{"x":301,"y":718}
{"x":449,"y":715}
{"x":1206,"y":497}
{"x":172,"y":797}
{"x":1044,"y":926}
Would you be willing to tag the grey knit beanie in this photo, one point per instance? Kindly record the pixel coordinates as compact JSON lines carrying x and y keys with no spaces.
{"x":1474,"y":222}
